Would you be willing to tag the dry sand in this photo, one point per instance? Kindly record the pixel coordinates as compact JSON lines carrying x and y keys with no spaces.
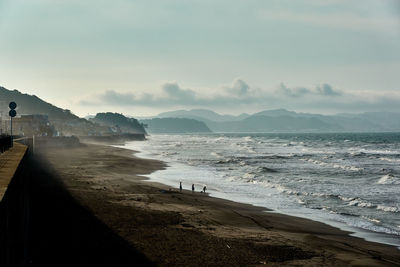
{"x":168,"y":227}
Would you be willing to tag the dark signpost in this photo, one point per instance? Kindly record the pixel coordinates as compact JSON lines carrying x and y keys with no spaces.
{"x":12,"y":114}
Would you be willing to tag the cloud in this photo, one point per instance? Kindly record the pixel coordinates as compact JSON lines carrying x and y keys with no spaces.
{"x":327,"y":90}
{"x":321,"y":90}
{"x":115,"y":98}
{"x":238,"y":87}
{"x":295,"y":92}
{"x":174,"y":92}
{"x":239,"y":95}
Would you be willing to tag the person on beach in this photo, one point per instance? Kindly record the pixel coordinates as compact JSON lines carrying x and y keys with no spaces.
{"x":180,"y":186}
{"x":204,"y":189}
{"x":192,"y":188}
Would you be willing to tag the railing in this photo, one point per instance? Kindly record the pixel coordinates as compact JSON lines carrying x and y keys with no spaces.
{"x":5,"y":143}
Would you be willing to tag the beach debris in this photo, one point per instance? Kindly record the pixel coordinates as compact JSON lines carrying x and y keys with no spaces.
{"x":228,"y":246}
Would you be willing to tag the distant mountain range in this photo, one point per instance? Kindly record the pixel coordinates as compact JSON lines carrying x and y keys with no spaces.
{"x":202,"y":114}
{"x":281,"y":120}
{"x":200,"y":120}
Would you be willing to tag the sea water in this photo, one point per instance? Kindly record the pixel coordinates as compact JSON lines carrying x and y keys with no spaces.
{"x":349,"y":180}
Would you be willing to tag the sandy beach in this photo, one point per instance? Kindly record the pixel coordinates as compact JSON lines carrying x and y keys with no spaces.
{"x":92,"y":205}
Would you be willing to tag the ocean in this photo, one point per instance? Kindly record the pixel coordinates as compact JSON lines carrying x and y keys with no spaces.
{"x":348,"y":180}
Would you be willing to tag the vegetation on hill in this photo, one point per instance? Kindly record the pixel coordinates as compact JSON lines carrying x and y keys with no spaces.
{"x":119,"y":122}
{"x":65,"y":122}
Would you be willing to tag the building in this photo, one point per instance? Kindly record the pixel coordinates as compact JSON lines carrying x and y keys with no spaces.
{"x":31,"y":125}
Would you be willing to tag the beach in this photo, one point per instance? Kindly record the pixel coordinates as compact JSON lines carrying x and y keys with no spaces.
{"x":150,"y":223}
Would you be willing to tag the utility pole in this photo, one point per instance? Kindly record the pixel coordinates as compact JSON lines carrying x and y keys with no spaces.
{"x":12,"y":114}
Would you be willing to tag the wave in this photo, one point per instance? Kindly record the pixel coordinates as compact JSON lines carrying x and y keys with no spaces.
{"x":229,"y":160}
{"x":358,"y":154}
{"x":254,"y":159}
{"x":390,"y":160}
{"x":274,"y":157}
{"x":346,"y":199}
{"x":248,"y":138}
{"x":365,"y":204}
{"x":387,"y":208}
{"x":215,"y":154}
{"x":266,"y":169}
{"x":388,"y":179}
{"x":358,"y":202}
{"x":249,"y":176}
{"x":375,"y":151}
{"x":334,"y":165}
{"x":376,"y":221}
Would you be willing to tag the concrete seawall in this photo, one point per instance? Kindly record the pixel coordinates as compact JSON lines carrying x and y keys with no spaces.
{"x":14,"y":207}
{"x":9,"y":162}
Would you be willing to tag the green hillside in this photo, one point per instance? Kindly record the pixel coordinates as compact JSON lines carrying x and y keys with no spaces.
{"x":119,"y":122}
{"x":64,"y":121}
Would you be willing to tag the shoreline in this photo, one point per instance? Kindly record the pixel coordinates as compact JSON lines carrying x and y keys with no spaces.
{"x":366,"y":234}
{"x":181,"y":228}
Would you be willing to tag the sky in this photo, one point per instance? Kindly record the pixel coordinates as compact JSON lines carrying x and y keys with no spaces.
{"x":144,"y":57}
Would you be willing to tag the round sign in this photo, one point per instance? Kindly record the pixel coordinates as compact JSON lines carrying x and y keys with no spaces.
{"x":12,"y":113}
{"x":12,"y":105}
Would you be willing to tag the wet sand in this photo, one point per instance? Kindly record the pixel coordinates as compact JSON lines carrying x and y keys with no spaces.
{"x":153,"y":223}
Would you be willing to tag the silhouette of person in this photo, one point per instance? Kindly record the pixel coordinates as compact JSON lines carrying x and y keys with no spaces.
{"x":192,"y":187}
{"x":204,"y":189}
{"x":180,"y":186}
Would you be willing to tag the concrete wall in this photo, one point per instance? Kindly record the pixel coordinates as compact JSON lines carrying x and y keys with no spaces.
{"x":14,"y":212}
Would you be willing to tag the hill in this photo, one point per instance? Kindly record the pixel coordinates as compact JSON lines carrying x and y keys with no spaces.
{"x":31,"y":104}
{"x":175,"y":125}
{"x":262,"y":123}
{"x":201,"y":114}
{"x":119,"y":122}
{"x":64,"y":121}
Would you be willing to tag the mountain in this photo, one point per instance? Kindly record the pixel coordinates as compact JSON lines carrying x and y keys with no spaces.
{"x":175,"y":125}
{"x":262,"y":123}
{"x":201,"y":114}
{"x":276,"y":113}
{"x":119,"y":122}
{"x":282,"y":120}
{"x":63,"y":120}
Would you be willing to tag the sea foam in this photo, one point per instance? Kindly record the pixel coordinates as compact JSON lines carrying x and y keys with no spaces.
{"x":388,"y":179}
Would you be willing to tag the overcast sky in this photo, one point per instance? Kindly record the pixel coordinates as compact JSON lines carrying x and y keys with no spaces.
{"x":144,"y":57}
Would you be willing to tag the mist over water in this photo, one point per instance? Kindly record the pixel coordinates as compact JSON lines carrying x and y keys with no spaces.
{"x":348,"y":180}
